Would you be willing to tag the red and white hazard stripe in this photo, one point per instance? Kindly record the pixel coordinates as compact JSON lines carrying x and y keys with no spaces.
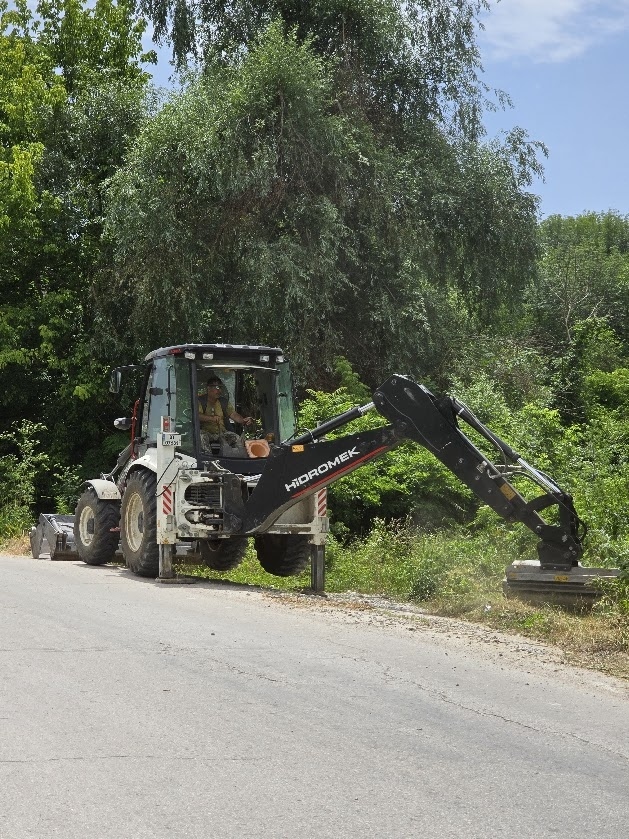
{"x":322,"y":502}
{"x":167,"y":500}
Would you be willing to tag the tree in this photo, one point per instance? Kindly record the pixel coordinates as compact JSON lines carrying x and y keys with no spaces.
{"x":266,"y":202}
{"x":583,"y":273}
{"x":71,"y":96}
{"x":30,"y":95}
{"x":575,"y":304}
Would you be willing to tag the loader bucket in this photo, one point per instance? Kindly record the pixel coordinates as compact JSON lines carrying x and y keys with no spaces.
{"x":58,"y":533}
{"x":574,"y":588}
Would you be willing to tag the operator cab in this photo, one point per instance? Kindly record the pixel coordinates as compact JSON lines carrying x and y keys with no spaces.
{"x":255,"y":382}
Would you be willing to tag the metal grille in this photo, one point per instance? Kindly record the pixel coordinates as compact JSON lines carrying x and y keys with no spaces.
{"x":204,"y":495}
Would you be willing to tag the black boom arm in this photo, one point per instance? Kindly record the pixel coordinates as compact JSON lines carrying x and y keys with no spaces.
{"x":416,"y":414}
{"x":303,"y":466}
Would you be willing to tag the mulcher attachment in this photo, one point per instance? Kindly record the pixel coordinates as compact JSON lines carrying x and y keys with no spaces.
{"x":528,"y":581}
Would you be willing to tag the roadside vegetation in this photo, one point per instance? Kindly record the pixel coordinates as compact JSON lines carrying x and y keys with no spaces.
{"x":320,"y":181}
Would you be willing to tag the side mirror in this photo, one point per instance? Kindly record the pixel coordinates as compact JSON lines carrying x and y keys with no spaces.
{"x":115,"y":379}
{"x":123,"y":423}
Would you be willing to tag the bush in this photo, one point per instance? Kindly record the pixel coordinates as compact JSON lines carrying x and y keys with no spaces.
{"x":405,"y":482}
{"x":609,"y":390}
{"x":20,"y":466}
{"x":455,"y":569}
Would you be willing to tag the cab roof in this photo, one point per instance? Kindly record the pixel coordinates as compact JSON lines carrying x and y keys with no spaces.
{"x":244,"y":352}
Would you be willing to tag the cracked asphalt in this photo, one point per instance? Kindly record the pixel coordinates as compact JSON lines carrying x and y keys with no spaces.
{"x":134,"y":709}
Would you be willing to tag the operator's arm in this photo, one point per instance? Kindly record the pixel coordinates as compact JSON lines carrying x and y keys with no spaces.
{"x":240,"y":419}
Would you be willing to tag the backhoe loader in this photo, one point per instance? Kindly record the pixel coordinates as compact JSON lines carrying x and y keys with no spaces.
{"x":176,"y":486}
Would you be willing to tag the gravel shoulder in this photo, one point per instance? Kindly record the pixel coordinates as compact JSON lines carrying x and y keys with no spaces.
{"x":505,"y":649}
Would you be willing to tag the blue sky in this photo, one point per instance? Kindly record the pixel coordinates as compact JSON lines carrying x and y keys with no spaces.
{"x":565,"y":65}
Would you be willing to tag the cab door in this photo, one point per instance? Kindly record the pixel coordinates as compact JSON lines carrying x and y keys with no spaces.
{"x":168,"y":393}
{"x":285,"y":401}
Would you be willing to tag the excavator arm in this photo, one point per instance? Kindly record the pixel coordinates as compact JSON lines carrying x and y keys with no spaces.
{"x":416,"y":414}
{"x":306,"y":464}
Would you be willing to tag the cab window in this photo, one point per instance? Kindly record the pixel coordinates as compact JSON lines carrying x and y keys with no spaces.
{"x":168,"y":394}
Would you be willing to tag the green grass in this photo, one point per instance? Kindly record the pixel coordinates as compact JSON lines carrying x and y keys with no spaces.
{"x":392,"y":562}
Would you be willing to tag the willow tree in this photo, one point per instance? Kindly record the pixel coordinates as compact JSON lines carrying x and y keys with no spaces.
{"x":321,"y":183}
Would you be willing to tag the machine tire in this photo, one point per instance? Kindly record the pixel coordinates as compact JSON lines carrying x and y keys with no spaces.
{"x":283,"y":556}
{"x":223,"y":554}
{"x":138,"y":524}
{"x":96,"y":528}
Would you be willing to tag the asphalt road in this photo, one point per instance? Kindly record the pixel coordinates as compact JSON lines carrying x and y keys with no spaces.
{"x":134,"y":709}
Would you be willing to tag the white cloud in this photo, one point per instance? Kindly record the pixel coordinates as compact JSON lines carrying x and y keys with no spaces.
{"x":550,"y":30}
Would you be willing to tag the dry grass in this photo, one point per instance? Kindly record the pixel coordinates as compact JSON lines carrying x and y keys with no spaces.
{"x":16,"y":545}
{"x":597,"y":640}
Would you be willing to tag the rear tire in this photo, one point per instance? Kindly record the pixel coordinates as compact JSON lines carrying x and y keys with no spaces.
{"x":138,"y":524}
{"x":223,"y":554}
{"x":283,"y":556}
{"x":96,"y":528}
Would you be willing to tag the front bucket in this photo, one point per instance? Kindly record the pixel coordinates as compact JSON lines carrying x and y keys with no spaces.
{"x":527,"y":581}
{"x":58,"y":533}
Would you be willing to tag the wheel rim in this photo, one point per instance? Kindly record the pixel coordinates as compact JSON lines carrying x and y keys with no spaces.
{"x":87,"y":516}
{"x":134,"y":522}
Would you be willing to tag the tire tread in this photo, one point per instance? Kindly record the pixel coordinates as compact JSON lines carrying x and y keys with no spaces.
{"x":229,"y":553}
{"x":104,"y":545}
{"x":283,"y":556}
{"x":145,"y":561}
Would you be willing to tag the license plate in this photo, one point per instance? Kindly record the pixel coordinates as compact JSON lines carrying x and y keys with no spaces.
{"x":170,"y":439}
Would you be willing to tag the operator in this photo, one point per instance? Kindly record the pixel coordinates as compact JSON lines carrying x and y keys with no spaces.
{"x":212,"y":414}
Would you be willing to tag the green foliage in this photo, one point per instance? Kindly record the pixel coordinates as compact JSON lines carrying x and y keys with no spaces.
{"x":576,"y":306}
{"x":71,"y":97}
{"x":387,"y":54}
{"x":66,"y":488}
{"x":91,"y":41}
{"x":21,"y":462}
{"x":609,"y":390}
{"x":406,"y":482}
{"x":350,"y":381}
{"x":240,"y":181}
{"x":455,"y":568}
{"x":583,"y":273}
{"x":599,"y":468}
{"x":348,"y":218}
{"x":499,"y":371}
{"x":594,"y":348}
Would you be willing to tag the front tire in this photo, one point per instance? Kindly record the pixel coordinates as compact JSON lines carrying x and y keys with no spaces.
{"x":283,"y":556}
{"x":223,"y":554}
{"x":138,"y":524}
{"x":96,"y":528}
